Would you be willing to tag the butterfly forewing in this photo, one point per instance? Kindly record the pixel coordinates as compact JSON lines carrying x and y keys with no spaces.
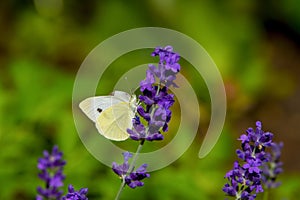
{"x":93,"y":106}
{"x":122,"y":95}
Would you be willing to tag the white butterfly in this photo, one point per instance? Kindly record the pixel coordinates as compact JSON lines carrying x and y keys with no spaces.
{"x":112,"y":114}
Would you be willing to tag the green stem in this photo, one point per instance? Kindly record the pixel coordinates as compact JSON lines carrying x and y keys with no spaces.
{"x":158,"y":89}
{"x":121,"y":189}
{"x":135,"y":156}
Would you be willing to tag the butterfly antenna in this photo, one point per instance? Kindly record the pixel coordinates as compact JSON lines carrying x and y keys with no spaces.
{"x":131,"y":91}
{"x":128,"y":87}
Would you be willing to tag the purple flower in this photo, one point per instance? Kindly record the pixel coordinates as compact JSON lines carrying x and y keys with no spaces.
{"x":122,"y":170}
{"x":245,"y":180}
{"x":274,"y":167}
{"x":52,"y":160}
{"x":155,"y":99}
{"x":148,"y":82}
{"x":241,"y":183}
{"x":168,"y":58}
{"x":252,"y":165}
{"x":133,"y":178}
{"x":51,"y":172}
{"x":153,"y":113}
{"x":76,"y":195}
{"x":167,"y":68}
{"x":254,"y":143}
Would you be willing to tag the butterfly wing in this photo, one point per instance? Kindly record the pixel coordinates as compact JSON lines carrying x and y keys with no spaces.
{"x":94,"y":106}
{"x":131,"y":99}
{"x":111,"y":114}
{"x":113,"y":122}
{"x":124,"y":96}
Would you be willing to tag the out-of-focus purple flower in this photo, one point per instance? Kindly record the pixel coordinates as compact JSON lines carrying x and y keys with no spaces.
{"x":245,"y":181}
{"x":156,"y":99}
{"x":51,"y":172}
{"x":273,"y":168}
{"x":133,"y":178}
{"x":76,"y":195}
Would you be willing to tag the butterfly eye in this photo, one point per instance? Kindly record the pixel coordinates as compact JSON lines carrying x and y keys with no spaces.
{"x":99,"y":110}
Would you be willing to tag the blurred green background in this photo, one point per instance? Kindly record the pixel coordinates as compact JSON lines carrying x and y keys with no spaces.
{"x":255,"y":44}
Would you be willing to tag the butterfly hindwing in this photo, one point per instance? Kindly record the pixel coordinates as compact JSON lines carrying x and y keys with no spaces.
{"x":114,"y":121}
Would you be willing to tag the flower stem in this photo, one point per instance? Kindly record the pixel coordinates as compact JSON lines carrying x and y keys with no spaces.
{"x":135,"y":156}
{"x":120,"y":190}
{"x":130,"y":169}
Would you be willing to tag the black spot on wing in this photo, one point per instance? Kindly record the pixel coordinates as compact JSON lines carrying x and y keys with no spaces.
{"x":99,"y":110}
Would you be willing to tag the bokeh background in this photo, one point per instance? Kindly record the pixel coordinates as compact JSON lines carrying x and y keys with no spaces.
{"x":255,"y":44}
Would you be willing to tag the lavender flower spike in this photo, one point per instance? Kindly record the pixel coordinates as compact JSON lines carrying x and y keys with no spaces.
{"x":245,"y":180}
{"x":51,"y":167}
{"x":156,"y":99}
{"x":154,"y":109}
{"x":273,"y":168}
{"x":132,"y":179}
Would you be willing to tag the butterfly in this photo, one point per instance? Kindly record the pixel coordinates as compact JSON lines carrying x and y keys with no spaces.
{"x":112,"y":114}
